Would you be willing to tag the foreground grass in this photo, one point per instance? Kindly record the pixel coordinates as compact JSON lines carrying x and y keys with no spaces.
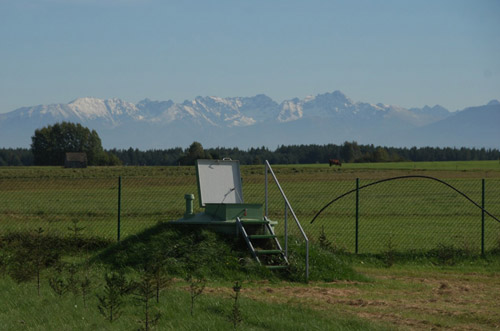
{"x":184,"y":251}
{"x":21,"y":309}
{"x":444,"y":289}
{"x":404,"y":296}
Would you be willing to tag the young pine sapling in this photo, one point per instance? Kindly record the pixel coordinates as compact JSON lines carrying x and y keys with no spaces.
{"x":57,"y":282}
{"x":111,"y":300}
{"x":236,"y":317}
{"x":75,"y":229}
{"x":145,"y":290}
{"x":196,"y":287}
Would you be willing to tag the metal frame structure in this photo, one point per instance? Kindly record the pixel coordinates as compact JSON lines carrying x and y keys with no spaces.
{"x":288,"y":207}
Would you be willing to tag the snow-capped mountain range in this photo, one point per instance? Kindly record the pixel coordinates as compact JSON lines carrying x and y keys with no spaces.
{"x":255,"y":121}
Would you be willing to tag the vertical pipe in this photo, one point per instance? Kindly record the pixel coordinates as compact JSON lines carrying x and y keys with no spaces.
{"x":307,"y":261}
{"x":189,"y":205}
{"x":265,"y":178}
{"x":119,"y":204}
{"x":482,"y":218}
{"x":286,"y":230}
{"x":357,"y":215}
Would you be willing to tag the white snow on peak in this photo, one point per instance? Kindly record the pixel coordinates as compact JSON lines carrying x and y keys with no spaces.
{"x":290,"y":111}
{"x":93,"y":108}
{"x":89,"y":108}
{"x":218,"y":99}
{"x":309,"y":98}
{"x":240,"y":121}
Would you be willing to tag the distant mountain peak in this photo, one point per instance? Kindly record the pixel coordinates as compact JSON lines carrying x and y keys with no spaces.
{"x":339,"y":94}
{"x":336,"y":96}
{"x":83,"y":99}
{"x":255,"y":119}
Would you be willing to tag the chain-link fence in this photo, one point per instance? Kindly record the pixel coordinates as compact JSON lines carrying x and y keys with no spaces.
{"x":405,"y":214}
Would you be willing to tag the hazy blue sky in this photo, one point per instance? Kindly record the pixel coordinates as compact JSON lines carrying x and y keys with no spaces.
{"x":408,"y":53}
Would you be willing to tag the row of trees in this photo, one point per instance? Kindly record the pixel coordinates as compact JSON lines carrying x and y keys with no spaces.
{"x":303,"y":154}
{"x":16,"y":157}
{"x":348,"y":152}
{"x":51,"y":143}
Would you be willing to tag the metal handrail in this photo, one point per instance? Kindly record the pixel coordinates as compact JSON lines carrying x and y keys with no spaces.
{"x":287,"y":207}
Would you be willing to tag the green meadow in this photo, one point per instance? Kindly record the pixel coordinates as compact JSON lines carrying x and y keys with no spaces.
{"x":424,"y":165}
{"x":418,"y":265}
{"x":406,"y":214}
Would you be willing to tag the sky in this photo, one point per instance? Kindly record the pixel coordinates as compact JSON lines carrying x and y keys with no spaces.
{"x":406,"y":53}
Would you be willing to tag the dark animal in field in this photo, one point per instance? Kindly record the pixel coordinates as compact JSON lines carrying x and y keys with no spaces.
{"x":335,"y":162}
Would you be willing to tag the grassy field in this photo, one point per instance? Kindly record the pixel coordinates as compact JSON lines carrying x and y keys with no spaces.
{"x":419,"y":242}
{"x":456,"y":293}
{"x":396,"y":298}
{"x":434,"y":165}
{"x":20,"y":309}
{"x":410,"y":214}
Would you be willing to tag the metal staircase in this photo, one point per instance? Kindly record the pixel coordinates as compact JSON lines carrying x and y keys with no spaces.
{"x":262,"y":242}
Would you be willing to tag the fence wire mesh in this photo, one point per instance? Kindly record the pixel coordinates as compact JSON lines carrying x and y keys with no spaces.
{"x":411,"y":214}
{"x":405,"y":215}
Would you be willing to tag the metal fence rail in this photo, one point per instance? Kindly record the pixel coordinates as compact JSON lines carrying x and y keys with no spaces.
{"x":405,"y":215}
{"x":288,"y":207}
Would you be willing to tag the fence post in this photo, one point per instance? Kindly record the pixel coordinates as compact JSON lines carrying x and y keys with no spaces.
{"x":286,"y":230}
{"x":357,"y":214}
{"x":119,"y":205}
{"x":482,"y":218}
{"x":266,"y":211}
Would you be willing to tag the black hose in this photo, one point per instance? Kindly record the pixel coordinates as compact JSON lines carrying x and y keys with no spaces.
{"x":403,"y":177}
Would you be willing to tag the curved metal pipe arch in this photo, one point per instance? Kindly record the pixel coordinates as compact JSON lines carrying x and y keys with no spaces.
{"x":404,"y":177}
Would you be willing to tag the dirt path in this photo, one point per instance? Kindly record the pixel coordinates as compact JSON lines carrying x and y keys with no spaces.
{"x":406,"y":300}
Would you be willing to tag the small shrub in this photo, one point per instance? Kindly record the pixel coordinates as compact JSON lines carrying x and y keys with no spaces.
{"x":111,"y":300}
{"x":57,"y":282}
{"x":144,"y":292}
{"x":158,"y":269}
{"x":27,"y":256}
{"x":85,"y":284}
{"x":327,"y":244}
{"x":52,"y":244}
{"x":236,"y":316}
{"x":196,"y":287}
{"x":75,"y":229}
{"x":324,"y":242}
{"x":447,"y":255}
{"x":495,"y":250}
{"x":389,"y":254}
{"x":73,"y":281}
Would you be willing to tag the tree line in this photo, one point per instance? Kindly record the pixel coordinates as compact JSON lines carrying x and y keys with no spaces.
{"x":284,"y":154}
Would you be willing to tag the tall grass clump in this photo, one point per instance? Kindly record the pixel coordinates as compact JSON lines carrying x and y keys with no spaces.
{"x":324,"y":264}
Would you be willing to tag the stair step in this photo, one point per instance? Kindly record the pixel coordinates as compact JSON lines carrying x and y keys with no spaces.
{"x":268,"y":251}
{"x":273,"y":267}
{"x":262,"y":236}
{"x":250,"y":222}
